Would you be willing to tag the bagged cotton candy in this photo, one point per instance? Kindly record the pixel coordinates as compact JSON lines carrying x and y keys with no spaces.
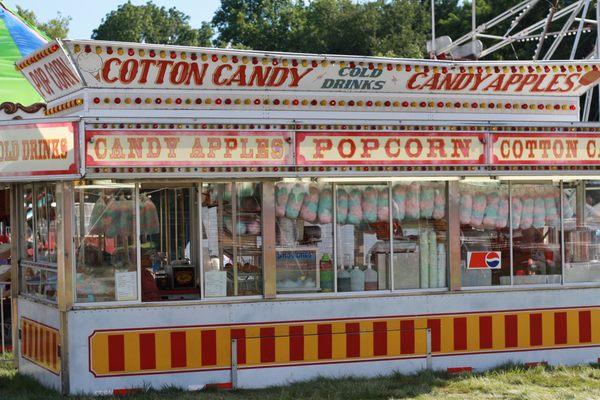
{"x":355,"y":212}
{"x":502,"y":220}
{"x":439,"y":203}
{"x":413,"y":210}
{"x":517,"y":211}
{"x":369,"y":204}
{"x":325,"y":213}
{"x":426,"y":201}
{"x":342,"y":206}
{"x":399,"y":199}
{"x":478,"y":210}
{"x":539,"y":211}
{"x":551,"y":208}
{"x":527,"y":215}
{"x":253,"y":227}
{"x":282,"y":191}
{"x":491,"y":210}
{"x":245,"y":189}
{"x":466,"y":205}
{"x":295,"y":201}
{"x":310,"y":205}
{"x":383,"y":205}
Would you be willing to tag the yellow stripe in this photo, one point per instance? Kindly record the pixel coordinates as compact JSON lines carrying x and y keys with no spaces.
{"x":193,"y":342}
{"x":572,"y":327}
{"x":447,"y":334}
{"x":366,"y":339}
{"x":282,"y":344}
{"x":548,"y":333}
{"x":498,"y":332}
{"x":310,"y":342}
{"x":223,"y":347}
{"x":253,"y":345}
{"x":595,"y":323}
{"x":523,"y":330}
{"x":99,"y":345}
{"x":132,"y":351}
{"x":472,"y":333}
{"x":393,"y":336}
{"x":163,"y":350}
{"x":338,"y":346}
{"x":420,"y":335}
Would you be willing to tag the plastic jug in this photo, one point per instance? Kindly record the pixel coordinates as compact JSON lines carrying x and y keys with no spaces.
{"x":357,"y":279}
{"x":343,"y":280}
{"x":370,"y":278}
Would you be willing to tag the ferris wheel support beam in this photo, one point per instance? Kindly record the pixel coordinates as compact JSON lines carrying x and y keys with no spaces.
{"x":579,"y":29}
{"x":565,"y":28}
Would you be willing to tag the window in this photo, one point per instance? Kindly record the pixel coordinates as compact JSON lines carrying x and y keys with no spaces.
{"x":304,"y":236}
{"x":232,"y":238}
{"x":39,"y":256}
{"x":581,"y":212}
{"x":105,"y":241}
{"x":485,"y":234}
{"x":536,"y":233}
{"x":169,"y":259}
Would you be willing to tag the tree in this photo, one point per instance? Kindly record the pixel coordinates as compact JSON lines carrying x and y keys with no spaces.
{"x":56,"y":28}
{"x":152,"y":24}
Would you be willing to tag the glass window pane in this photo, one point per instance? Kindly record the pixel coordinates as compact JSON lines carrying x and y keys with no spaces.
{"x":45,"y":222}
{"x":106,"y":248}
{"x":232,"y":238}
{"x":38,"y":282}
{"x":484,"y":234}
{"x":363,"y":237}
{"x":420,"y":235}
{"x":169,"y":263}
{"x":581,"y":212}
{"x":536,"y":233}
{"x":304,"y":236}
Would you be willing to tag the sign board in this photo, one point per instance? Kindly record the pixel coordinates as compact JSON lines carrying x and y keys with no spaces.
{"x":484,"y":260}
{"x":38,"y":149}
{"x":545,"y":148}
{"x":51,"y":72}
{"x":137,"y":66}
{"x":384,"y":148}
{"x":187,"y":148}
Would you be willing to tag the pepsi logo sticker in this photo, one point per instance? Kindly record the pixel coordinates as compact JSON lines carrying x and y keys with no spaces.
{"x":484,"y":260}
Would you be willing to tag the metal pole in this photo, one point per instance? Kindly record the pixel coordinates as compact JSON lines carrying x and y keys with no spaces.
{"x":429,"y":362}
{"x":234,"y":364}
{"x":598,"y":45}
{"x":579,"y":29}
{"x":474,"y":17}
{"x":433,"y":29}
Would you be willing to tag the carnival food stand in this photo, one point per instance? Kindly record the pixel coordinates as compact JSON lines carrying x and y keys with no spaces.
{"x":192,"y":216}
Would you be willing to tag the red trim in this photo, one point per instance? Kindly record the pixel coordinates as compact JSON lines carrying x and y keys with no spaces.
{"x":240,"y":335}
{"x":116,"y":352}
{"x":209,"y":347}
{"x":324,"y":341}
{"x":535,"y":329}
{"x":267,"y":345}
{"x":459,"y":370}
{"x":178,"y":349}
{"x":147,"y":351}
{"x":436,"y":334}
{"x":585,"y":326}
{"x":560,"y":328}
{"x":407,"y":337}
{"x":380,"y":338}
{"x":511,"y":331}
{"x":460,"y":333}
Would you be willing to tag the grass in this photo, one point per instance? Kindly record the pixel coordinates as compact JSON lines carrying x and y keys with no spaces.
{"x":508,"y":382}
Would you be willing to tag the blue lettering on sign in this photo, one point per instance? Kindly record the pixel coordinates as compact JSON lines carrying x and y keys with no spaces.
{"x":295,"y":255}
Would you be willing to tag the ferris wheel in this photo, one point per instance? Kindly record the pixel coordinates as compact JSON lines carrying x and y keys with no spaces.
{"x":565,"y":23}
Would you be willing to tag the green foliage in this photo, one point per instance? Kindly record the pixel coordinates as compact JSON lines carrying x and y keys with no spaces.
{"x":56,"y":28}
{"x":152,"y":24}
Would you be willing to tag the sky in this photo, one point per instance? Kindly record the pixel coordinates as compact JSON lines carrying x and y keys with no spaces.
{"x":87,"y":14}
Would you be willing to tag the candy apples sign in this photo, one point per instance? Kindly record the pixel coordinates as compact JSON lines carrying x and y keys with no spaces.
{"x":138,"y":66}
{"x":382,"y":148}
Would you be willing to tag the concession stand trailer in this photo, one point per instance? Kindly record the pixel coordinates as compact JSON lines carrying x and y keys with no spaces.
{"x":193,"y":216}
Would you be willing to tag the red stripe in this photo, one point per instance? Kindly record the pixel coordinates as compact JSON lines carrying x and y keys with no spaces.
{"x":24,"y":341}
{"x":585,"y":326}
{"x":407,"y":337}
{"x":324,"y":341}
{"x":178,"y":350}
{"x":436,"y":337}
{"x":485,"y":332}
{"x":535,"y":329}
{"x":353,"y":339}
{"x":460,"y":333}
{"x":116,"y":353}
{"x":560,"y":328}
{"x":147,"y":351}
{"x":267,"y":345}
{"x":240,"y":335}
{"x":208,"y":340}
{"x":511,"y":330}
{"x":296,"y":343}
{"x":380,"y":338}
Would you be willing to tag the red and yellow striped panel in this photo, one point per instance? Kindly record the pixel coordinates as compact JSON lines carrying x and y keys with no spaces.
{"x":40,"y":345}
{"x":161,"y":350}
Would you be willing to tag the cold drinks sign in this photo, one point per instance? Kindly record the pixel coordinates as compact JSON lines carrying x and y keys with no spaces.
{"x":116,"y":65}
